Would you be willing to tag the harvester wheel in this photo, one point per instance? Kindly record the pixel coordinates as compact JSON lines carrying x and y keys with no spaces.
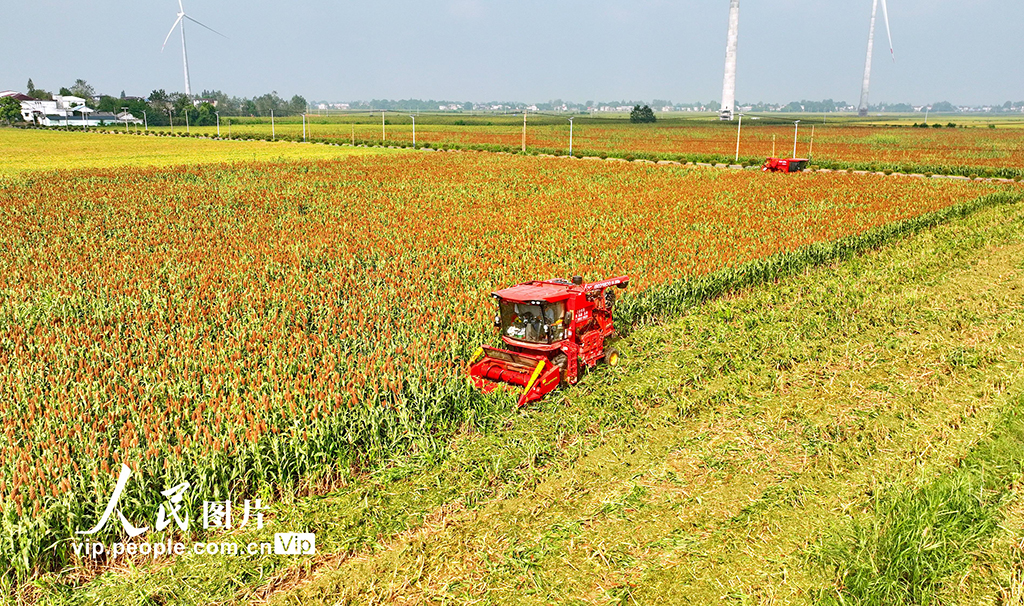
{"x":562,"y":362}
{"x":611,"y":357}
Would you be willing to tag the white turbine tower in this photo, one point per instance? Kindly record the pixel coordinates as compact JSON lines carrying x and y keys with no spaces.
{"x":184,"y":53}
{"x":729,"y":87}
{"x":865,"y":88}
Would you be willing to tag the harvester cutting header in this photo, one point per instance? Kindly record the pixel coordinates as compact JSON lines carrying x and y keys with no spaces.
{"x":551,"y":328}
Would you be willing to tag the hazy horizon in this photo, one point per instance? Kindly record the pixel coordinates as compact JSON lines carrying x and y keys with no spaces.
{"x":481,"y":50}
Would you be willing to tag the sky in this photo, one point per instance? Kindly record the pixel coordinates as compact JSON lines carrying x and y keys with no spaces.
{"x":965,"y":51}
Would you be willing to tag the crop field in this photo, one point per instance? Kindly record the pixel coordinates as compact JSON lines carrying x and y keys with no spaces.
{"x":33,"y":150}
{"x":849,"y":435}
{"x":248,"y":327}
{"x":975,"y":146}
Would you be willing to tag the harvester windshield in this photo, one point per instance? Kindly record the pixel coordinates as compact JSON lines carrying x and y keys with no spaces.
{"x":532,"y":323}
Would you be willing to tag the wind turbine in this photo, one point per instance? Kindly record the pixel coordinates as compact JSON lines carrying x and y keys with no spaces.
{"x":863,"y":109}
{"x":728,"y":109}
{"x":184,"y":53}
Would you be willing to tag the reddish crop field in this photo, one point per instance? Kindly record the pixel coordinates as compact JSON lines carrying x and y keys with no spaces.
{"x":234,"y":324}
{"x":951,"y":147}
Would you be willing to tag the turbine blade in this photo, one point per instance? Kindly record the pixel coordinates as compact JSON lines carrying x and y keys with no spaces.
{"x":181,"y":9}
{"x":176,"y":22}
{"x":885,"y":12}
{"x":207,"y":27}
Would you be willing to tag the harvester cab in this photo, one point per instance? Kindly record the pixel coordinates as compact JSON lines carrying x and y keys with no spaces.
{"x":784,"y":165}
{"x":551,"y":329}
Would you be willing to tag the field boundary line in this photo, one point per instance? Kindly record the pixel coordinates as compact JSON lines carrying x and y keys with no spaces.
{"x":973,"y":173}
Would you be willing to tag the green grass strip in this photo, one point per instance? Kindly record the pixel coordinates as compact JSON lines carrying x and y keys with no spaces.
{"x":917,"y":542}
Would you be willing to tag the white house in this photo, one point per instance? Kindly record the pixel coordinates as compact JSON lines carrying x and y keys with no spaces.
{"x":53,"y":113}
{"x":65,"y":110}
{"x":79,"y":119}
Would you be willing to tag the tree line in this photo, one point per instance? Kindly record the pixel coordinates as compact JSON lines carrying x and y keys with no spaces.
{"x":160,"y":107}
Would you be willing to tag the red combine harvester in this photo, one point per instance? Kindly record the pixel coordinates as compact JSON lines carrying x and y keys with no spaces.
{"x":787,"y":165}
{"x":551,"y":327}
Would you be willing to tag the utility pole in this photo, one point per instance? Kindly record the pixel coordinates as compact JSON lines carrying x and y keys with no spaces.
{"x":524,"y":128}
{"x":273,"y":129}
{"x":810,"y":150}
{"x":739,"y":129}
{"x":570,"y":136}
{"x":124,"y":114}
{"x":383,"y":129}
{"x":303,"y":128}
{"x":218,"y":124}
{"x":796,"y":131}
{"x":413,"y":130}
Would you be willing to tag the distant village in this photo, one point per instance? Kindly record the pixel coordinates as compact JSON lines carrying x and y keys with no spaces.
{"x":658,"y":105}
{"x":78,"y":111}
{"x":81,"y":106}
{"x":66,"y":110}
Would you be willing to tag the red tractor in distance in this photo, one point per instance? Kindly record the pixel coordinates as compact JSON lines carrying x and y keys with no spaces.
{"x":788,"y":165}
{"x":551,"y":327}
